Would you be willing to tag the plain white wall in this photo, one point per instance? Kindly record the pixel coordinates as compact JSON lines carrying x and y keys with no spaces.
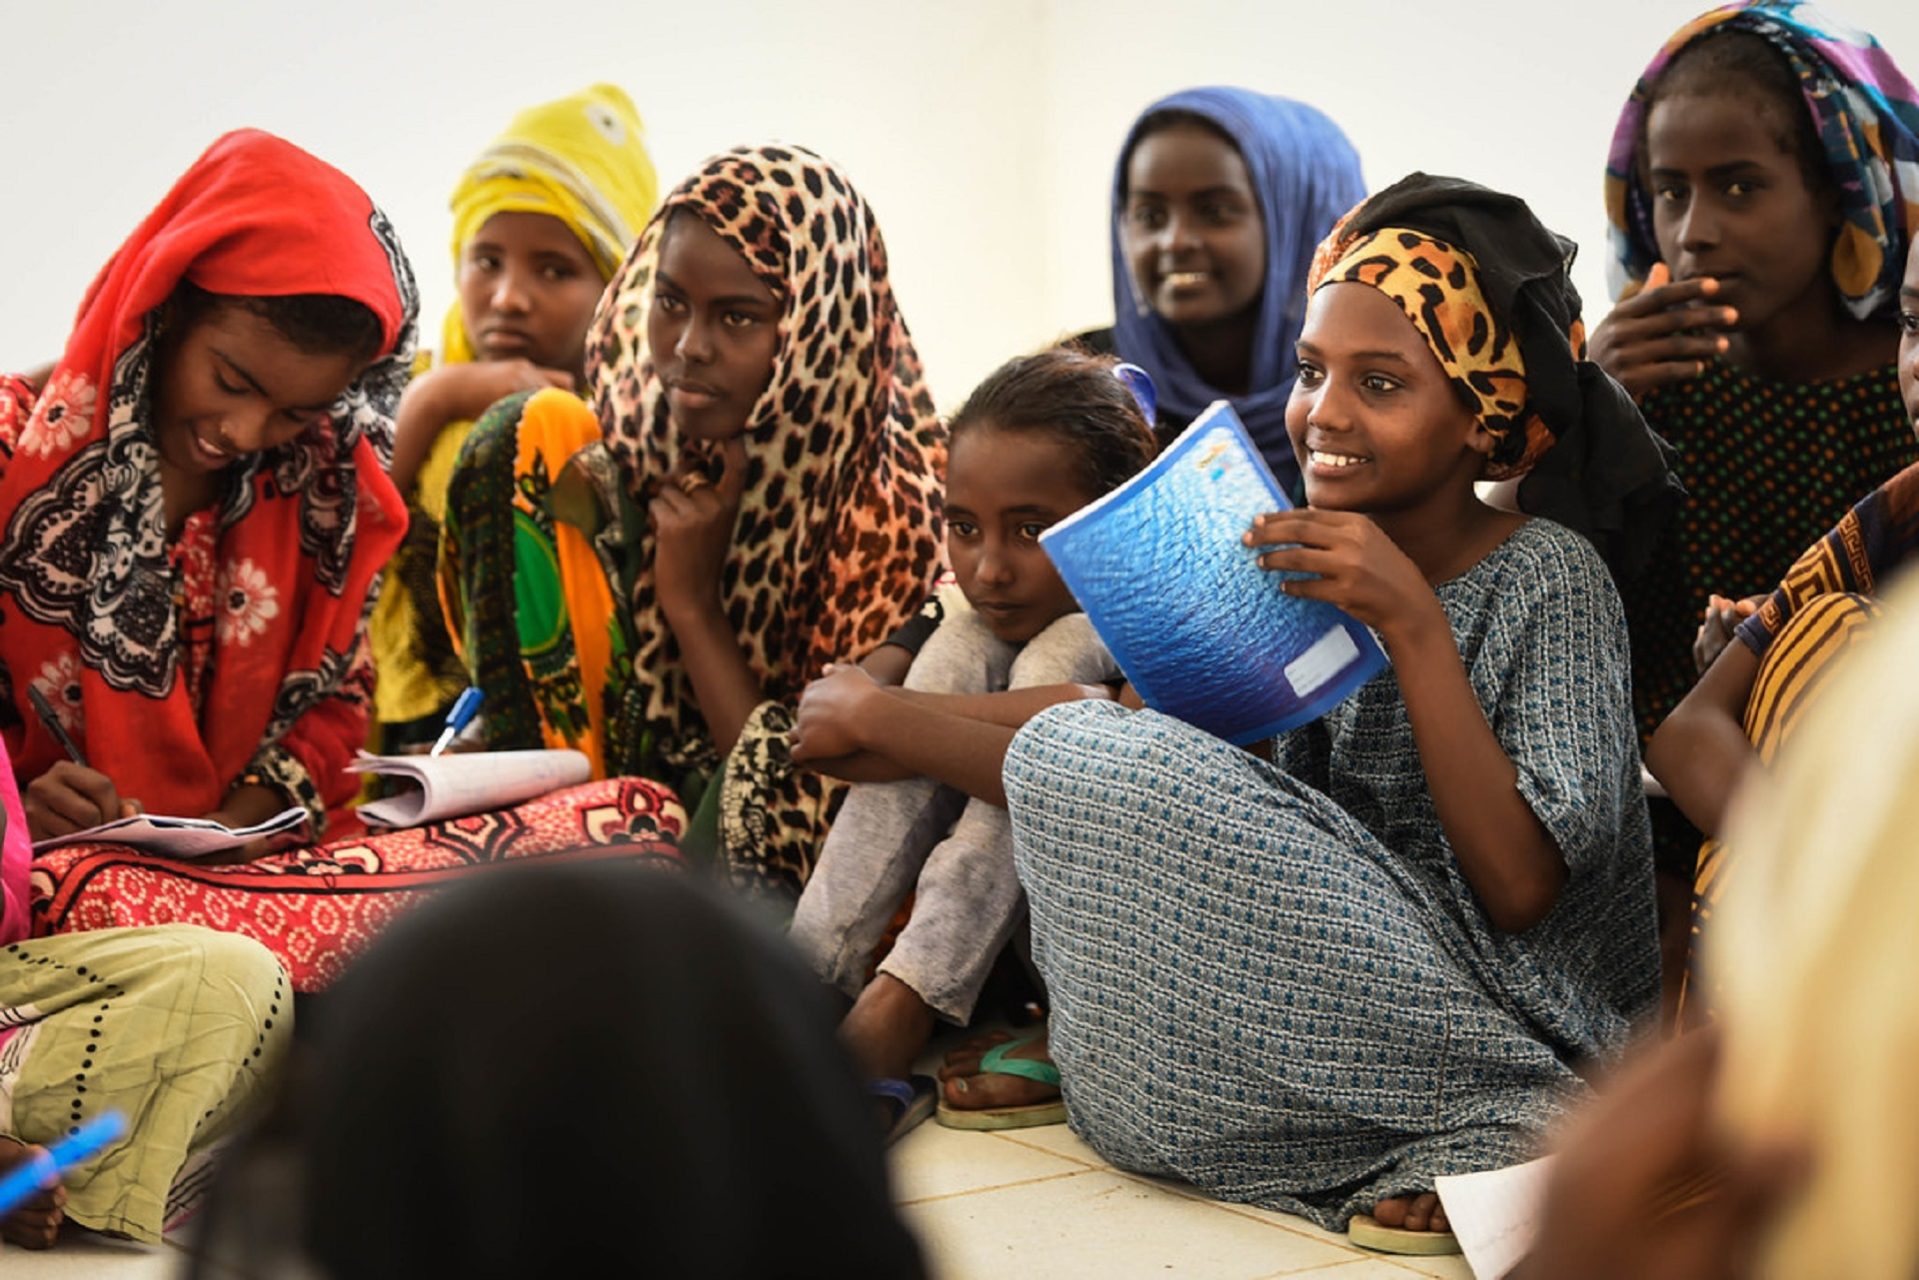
{"x":984,"y":134}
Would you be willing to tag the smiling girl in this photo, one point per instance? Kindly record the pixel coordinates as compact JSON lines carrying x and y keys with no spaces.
{"x":541,"y":221}
{"x":196,"y":504}
{"x":752,"y":496}
{"x":1043,"y":436}
{"x":195,"y":510}
{"x":1219,"y":196}
{"x":1318,"y":983}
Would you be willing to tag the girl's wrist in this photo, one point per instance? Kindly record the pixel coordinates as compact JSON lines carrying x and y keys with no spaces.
{"x":247,"y":803}
{"x":692,"y":611}
{"x":1421,"y":627}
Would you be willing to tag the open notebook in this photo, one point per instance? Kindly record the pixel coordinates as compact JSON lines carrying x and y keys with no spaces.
{"x":179,"y":837}
{"x":1201,"y":631}
{"x":452,"y":786}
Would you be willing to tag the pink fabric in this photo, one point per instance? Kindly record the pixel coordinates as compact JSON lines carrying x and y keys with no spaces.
{"x":16,"y":852}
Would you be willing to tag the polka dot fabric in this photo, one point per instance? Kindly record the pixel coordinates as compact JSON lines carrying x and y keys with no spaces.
{"x":1768,"y":468}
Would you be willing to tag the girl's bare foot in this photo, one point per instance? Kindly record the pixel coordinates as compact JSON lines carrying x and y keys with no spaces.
{"x":1412,"y":1213}
{"x":965,"y":1087}
{"x":887,"y":1028}
{"x":36,"y":1223}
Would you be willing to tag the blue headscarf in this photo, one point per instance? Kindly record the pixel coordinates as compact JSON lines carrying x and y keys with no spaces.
{"x":1306,"y":175}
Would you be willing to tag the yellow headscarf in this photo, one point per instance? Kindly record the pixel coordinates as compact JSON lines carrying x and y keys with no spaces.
{"x":581,"y":159}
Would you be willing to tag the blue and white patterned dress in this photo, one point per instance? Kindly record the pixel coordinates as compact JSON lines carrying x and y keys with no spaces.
{"x":1273,"y":982}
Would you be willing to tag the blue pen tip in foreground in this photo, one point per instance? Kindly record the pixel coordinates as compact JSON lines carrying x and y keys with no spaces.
{"x":82,"y":1142}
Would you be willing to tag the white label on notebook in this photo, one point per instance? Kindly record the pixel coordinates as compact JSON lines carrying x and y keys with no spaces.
{"x":1328,"y":656}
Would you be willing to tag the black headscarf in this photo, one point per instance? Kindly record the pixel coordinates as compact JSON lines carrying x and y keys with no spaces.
{"x":1606,"y":475}
{"x":587,"y":1071}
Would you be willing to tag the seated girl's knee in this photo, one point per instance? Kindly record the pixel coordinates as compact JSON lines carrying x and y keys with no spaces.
{"x":238,"y":960}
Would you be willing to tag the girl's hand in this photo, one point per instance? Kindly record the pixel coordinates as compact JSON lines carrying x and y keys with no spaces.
{"x":246,"y":806}
{"x":830,"y":709}
{"x":468,"y":390}
{"x":1663,"y":334}
{"x":70,"y":797}
{"x":1359,"y":568}
{"x":693,"y":521}
{"x":1723,"y":617}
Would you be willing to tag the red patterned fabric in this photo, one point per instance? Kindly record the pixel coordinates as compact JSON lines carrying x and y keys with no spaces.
{"x":85,"y":581}
{"x":318,"y":908}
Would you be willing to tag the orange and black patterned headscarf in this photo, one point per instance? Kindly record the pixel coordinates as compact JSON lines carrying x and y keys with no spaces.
{"x":1489,"y":288}
{"x":1437,"y":286}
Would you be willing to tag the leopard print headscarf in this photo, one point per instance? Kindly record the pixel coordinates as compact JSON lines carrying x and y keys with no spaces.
{"x":1437,"y":286}
{"x":838,"y":537}
{"x":1490,"y":289}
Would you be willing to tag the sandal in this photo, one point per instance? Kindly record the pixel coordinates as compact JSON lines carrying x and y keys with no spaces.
{"x":911,"y":1101}
{"x":995,"y":1062}
{"x":1367,"y":1232}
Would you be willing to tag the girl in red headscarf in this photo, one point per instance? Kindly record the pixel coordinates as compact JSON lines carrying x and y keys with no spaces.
{"x":192,"y":512}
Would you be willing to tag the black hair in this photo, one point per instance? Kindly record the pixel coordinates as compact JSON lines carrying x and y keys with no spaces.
{"x":665,"y":1154}
{"x":1159,"y":122}
{"x":1073,"y":395}
{"x":1743,"y":62}
{"x":315,"y":323}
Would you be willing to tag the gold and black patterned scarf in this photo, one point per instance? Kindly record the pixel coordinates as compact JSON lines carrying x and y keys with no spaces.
{"x":1490,"y":290}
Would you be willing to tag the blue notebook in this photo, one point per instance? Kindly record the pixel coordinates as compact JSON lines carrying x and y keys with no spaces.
{"x":1201,"y":631}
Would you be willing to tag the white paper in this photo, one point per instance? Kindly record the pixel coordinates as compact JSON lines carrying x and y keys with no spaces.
{"x":1495,"y":1214}
{"x":453,"y":786}
{"x":177,"y":837}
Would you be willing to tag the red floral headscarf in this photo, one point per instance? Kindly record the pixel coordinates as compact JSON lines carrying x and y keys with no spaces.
{"x":86,"y":587}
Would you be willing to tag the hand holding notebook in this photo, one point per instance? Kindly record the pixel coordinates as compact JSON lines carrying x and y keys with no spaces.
{"x":188,"y":838}
{"x":1201,"y":631}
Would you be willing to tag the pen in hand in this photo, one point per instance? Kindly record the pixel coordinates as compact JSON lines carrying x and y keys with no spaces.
{"x":465,"y":707}
{"x":90,"y":789}
{"x":48,"y":717}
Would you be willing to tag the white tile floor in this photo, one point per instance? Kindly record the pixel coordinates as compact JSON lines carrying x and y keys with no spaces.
{"x":87,"y":1257}
{"x":1033,"y":1202}
{"x":1040,"y":1202}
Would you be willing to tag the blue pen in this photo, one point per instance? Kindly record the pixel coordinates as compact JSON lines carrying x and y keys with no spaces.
{"x":27,"y":1178}
{"x":465,"y":707}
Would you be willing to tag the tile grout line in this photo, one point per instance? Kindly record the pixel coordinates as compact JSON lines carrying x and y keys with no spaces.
{"x":1046,"y":1151}
{"x":1003,"y":1186}
{"x":1325,"y":1266}
{"x":1353,"y":1252}
{"x":1239,"y":1211}
{"x":1352,"y":1255}
{"x":1412,"y":1268}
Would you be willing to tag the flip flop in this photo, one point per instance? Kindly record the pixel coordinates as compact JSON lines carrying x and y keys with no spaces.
{"x":995,"y":1062}
{"x":912,"y":1100}
{"x":1367,"y":1232}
